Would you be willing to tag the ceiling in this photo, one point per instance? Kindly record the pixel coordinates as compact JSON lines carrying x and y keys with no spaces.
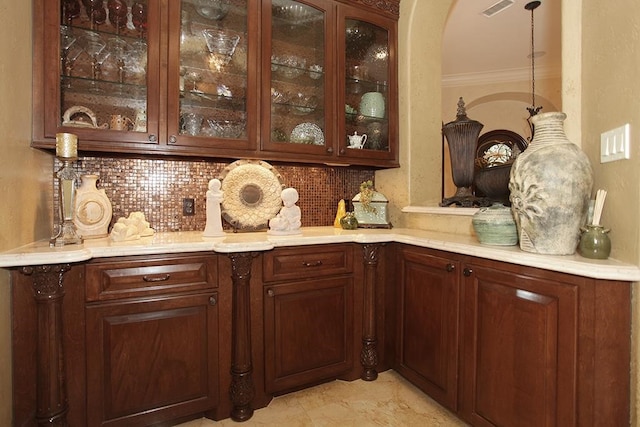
{"x":476,"y":47}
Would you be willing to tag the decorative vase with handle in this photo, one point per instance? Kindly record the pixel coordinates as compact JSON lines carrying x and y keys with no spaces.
{"x":550,"y":185}
{"x":93,"y":209}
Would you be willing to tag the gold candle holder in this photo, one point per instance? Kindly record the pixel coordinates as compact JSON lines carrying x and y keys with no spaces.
{"x":65,"y":232}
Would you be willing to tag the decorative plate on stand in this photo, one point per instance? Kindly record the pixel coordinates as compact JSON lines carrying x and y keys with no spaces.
{"x":251,"y":194}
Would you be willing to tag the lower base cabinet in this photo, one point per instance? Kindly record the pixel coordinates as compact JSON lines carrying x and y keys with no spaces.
{"x":151,"y":340}
{"x":507,"y":345}
{"x":308,"y":316}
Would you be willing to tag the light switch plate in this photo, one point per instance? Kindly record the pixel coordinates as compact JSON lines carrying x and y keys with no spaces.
{"x":615,"y":144}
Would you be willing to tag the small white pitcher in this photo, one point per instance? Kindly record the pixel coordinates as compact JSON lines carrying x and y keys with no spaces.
{"x":357,"y":141}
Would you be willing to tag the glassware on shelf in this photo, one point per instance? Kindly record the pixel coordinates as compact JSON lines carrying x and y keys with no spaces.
{"x":225,"y":128}
{"x":95,"y":47}
{"x":118,"y":14}
{"x":96,"y":12}
{"x":119,"y":48}
{"x":70,"y":10}
{"x":139,"y":17}
{"x":193,"y":77}
{"x":214,"y":10}
{"x":221,"y":46}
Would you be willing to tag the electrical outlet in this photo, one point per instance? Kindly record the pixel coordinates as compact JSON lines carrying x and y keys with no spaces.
{"x":188,"y":207}
{"x":615,"y":144}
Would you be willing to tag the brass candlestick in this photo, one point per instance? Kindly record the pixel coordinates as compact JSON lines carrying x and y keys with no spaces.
{"x":67,"y":153}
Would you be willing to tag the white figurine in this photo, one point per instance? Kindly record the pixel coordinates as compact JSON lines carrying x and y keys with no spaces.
{"x":133,"y":227}
{"x":213,"y":227}
{"x":288,"y":220}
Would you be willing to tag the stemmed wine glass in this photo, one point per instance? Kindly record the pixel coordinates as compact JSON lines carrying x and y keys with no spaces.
{"x":69,"y":50}
{"x":119,"y":48}
{"x":96,"y":12}
{"x":70,"y":10}
{"x":139,"y":17}
{"x":96,"y":49}
{"x":117,"y":14}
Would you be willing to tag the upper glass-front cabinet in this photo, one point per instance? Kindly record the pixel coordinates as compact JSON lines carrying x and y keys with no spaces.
{"x":368,"y":82}
{"x":310,"y":81}
{"x":297,"y":101}
{"x":101,"y":57}
{"x":210,"y":102}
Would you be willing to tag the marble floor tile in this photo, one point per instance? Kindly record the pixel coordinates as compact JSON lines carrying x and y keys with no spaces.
{"x":390,"y":401}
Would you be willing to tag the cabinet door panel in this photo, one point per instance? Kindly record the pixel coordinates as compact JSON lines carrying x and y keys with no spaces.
{"x":520,"y":351}
{"x":308,"y":332}
{"x":428,"y":322}
{"x":151,"y":361}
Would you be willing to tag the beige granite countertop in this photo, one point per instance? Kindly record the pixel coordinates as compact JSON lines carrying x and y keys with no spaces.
{"x":39,"y":253}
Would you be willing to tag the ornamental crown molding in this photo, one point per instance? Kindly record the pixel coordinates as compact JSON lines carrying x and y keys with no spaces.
{"x":388,"y":7}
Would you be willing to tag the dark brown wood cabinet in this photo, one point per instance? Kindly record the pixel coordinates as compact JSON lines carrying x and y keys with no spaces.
{"x":502,"y":344}
{"x":152,"y":339}
{"x":279,"y":80}
{"x":428,"y":322}
{"x":308,"y":316}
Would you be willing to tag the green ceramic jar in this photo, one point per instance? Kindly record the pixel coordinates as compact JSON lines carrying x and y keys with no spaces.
{"x":349,"y":221}
{"x":495,"y":226}
{"x":594,"y":242}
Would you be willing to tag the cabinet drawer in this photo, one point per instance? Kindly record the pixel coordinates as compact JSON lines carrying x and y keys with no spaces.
{"x":144,"y":276}
{"x":307,"y":262}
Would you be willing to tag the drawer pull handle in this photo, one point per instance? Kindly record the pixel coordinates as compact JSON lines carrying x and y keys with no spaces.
{"x":152,"y":279}
{"x":467,"y":272}
{"x":270,"y":292}
{"x":312,"y":264}
{"x":450,"y":267}
{"x":213,"y":300}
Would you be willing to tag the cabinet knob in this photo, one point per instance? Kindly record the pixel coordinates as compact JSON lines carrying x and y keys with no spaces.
{"x":342,"y":151}
{"x":450,"y":267}
{"x":467,"y":272}
{"x":152,"y":138}
{"x":213,"y":300}
{"x":270,"y":292}
{"x":173,"y":139}
{"x":329,"y":149}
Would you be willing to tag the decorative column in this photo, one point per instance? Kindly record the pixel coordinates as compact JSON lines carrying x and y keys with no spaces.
{"x":369,"y":353}
{"x":242,"y":388}
{"x":48,"y":292}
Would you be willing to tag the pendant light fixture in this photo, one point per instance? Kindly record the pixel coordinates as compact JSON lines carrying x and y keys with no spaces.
{"x":533,"y":110}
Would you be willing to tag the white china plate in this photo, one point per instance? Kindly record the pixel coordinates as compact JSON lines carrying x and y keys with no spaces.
{"x":307,"y":133}
{"x":251,"y":194}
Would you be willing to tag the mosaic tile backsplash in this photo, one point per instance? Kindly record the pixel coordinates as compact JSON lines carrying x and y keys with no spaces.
{"x":157,"y":188}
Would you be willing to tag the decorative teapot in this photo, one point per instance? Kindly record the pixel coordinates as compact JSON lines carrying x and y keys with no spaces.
{"x":357,"y":141}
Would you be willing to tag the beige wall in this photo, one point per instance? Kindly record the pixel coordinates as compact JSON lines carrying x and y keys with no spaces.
{"x":25,"y":174}
{"x":610,"y":94}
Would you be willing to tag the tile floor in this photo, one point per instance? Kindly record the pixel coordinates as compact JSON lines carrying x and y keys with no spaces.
{"x":388,"y":401}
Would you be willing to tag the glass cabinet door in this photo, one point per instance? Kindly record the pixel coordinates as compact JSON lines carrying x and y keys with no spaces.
{"x":368,"y":80}
{"x":208,"y":84}
{"x":103,"y":61}
{"x":367,"y":76}
{"x":296,"y":84}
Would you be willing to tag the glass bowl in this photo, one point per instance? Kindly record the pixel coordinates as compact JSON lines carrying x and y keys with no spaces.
{"x":226,"y":128}
{"x":214,"y":10}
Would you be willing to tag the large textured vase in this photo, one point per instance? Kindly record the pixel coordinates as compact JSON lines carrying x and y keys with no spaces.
{"x":550,"y":185}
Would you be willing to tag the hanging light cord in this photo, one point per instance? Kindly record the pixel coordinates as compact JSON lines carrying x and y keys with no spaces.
{"x":533,"y":62}
{"x":533,"y":110}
